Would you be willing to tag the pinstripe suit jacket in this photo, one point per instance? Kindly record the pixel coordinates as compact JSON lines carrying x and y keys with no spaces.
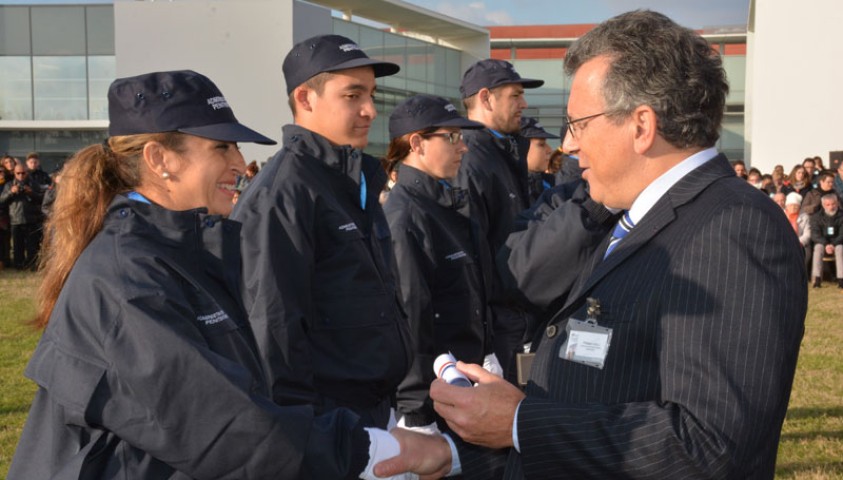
{"x":707,"y":298}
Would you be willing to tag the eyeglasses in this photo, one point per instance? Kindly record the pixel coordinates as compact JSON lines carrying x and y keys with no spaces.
{"x":452,"y":137}
{"x":571,"y":122}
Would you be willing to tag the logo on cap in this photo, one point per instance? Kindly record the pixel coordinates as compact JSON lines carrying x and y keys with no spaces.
{"x":218,"y":102}
{"x":349,"y":47}
{"x":450,"y":107}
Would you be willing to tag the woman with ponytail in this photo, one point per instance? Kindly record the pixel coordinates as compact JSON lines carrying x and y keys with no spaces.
{"x":147,"y":367}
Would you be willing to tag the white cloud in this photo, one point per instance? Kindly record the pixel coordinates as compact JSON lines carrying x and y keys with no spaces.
{"x":475,"y":12}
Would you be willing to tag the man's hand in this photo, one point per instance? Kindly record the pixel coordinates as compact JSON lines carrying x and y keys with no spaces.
{"x":829,"y":249}
{"x":482,"y":415}
{"x":427,"y":455}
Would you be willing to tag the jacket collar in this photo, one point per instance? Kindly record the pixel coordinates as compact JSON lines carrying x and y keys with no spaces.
{"x":661,"y":215}
{"x":344,"y":158}
{"x":438,"y":190}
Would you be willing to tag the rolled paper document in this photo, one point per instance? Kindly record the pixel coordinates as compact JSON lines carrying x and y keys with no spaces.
{"x":445,"y":367}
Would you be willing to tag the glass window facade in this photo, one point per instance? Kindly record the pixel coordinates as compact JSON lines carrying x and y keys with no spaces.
{"x":56,"y":62}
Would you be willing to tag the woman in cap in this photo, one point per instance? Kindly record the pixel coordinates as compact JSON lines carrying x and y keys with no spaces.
{"x":443,"y":266}
{"x":147,"y":368}
{"x":538,"y":157}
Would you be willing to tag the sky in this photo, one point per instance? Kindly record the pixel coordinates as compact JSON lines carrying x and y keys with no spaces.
{"x":690,"y":13}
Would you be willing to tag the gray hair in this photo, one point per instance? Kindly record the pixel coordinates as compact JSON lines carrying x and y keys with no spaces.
{"x":658,"y":63}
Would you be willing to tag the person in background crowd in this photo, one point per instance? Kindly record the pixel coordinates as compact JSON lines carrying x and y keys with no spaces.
{"x":838,"y":182}
{"x":810,"y":170}
{"x":495,"y":169}
{"x":538,"y":157}
{"x":797,"y":181}
{"x":827,"y":235}
{"x":36,"y":173}
{"x":696,"y":378}
{"x":780,"y":199}
{"x":252,"y":169}
{"x":740,"y":169}
{"x":7,"y":175}
{"x":23,"y":198}
{"x":147,"y":367}
{"x":777,"y":182}
{"x":50,"y":194}
{"x":318,"y":266}
{"x":754,"y":178}
{"x":444,"y":267}
{"x":801,"y":223}
{"x":818,"y":164}
{"x":824,"y":186}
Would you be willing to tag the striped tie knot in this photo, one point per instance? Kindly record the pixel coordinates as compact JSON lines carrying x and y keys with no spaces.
{"x":623,"y":227}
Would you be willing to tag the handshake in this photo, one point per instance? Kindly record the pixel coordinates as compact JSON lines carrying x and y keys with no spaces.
{"x":482,"y":415}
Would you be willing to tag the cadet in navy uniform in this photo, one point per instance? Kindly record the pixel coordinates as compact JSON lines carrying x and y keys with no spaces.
{"x":538,"y":157}
{"x":318,"y":267}
{"x":147,"y":368}
{"x":444,"y":266}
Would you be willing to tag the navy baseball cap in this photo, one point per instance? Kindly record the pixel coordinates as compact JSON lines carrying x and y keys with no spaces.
{"x":328,"y":53}
{"x":426,"y":111}
{"x":178,"y":101}
{"x":531,"y":128}
{"x":492,"y":73}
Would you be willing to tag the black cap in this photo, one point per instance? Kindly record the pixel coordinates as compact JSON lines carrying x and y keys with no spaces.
{"x":492,"y":73}
{"x":180,"y":101}
{"x":426,"y":111}
{"x":328,"y":53}
{"x":531,"y":128}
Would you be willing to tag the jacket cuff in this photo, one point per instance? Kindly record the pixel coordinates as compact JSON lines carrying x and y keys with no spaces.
{"x":418,"y":419}
{"x":359,"y":451}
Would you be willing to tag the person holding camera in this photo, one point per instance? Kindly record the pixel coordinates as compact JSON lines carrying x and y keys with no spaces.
{"x":24,"y":201}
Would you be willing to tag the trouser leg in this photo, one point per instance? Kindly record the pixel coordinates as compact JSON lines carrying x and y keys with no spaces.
{"x":18,"y":245}
{"x":817,"y":269}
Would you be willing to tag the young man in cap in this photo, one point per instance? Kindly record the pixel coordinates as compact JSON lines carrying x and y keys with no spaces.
{"x":496,"y":170}
{"x":317,"y":254}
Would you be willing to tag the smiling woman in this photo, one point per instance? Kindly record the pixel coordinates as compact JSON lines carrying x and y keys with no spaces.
{"x":145,"y":333}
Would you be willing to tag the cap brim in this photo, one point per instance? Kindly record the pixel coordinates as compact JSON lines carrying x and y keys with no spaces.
{"x":382,"y":69}
{"x":529,"y":82}
{"x":460,"y":122}
{"x":539,"y":135}
{"x":229,"y":132}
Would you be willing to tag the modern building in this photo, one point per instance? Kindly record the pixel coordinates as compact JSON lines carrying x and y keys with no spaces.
{"x":57,"y":60}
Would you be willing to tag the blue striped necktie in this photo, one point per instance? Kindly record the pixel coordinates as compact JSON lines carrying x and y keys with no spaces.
{"x":621,"y":229}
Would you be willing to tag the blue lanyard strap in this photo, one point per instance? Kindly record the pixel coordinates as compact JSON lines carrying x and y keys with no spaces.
{"x":362,"y":190}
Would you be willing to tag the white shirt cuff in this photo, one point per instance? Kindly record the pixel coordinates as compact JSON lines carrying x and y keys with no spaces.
{"x":456,"y":466}
{"x":515,"y":429}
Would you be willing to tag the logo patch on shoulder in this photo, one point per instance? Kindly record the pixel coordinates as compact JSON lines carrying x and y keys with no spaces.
{"x":348,"y":227}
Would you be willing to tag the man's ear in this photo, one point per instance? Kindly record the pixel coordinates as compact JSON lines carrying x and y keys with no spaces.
{"x":645,"y":124}
{"x":301,"y":95}
{"x":484,"y":96}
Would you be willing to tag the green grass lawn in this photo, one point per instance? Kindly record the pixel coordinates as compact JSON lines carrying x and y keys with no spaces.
{"x":812,"y":439}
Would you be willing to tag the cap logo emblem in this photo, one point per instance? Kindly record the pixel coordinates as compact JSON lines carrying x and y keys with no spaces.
{"x":218,"y":102}
{"x":349,"y":47}
{"x":450,"y":107}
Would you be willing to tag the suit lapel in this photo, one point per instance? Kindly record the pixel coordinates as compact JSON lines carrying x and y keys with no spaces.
{"x":660,"y":216}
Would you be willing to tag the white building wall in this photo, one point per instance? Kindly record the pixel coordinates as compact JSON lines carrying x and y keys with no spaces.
{"x":795,"y":108}
{"x":239,"y":44}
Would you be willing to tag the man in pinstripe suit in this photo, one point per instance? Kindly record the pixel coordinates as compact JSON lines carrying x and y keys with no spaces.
{"x":705,"y":296}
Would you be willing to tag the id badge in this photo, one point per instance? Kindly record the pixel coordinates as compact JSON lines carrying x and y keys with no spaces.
{"x":587,"y":343}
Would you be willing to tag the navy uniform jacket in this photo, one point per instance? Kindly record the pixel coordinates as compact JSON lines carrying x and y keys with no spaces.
{"x":706,"y":298}
{"x":445,"y":269}
{"x":496,"y":174}
{"x":318,"y":273}
{"x":148,"y":369}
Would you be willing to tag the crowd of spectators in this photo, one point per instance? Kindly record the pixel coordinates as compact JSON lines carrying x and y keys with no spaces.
{"x":810,"y":196}
{"x":22,"y":190}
